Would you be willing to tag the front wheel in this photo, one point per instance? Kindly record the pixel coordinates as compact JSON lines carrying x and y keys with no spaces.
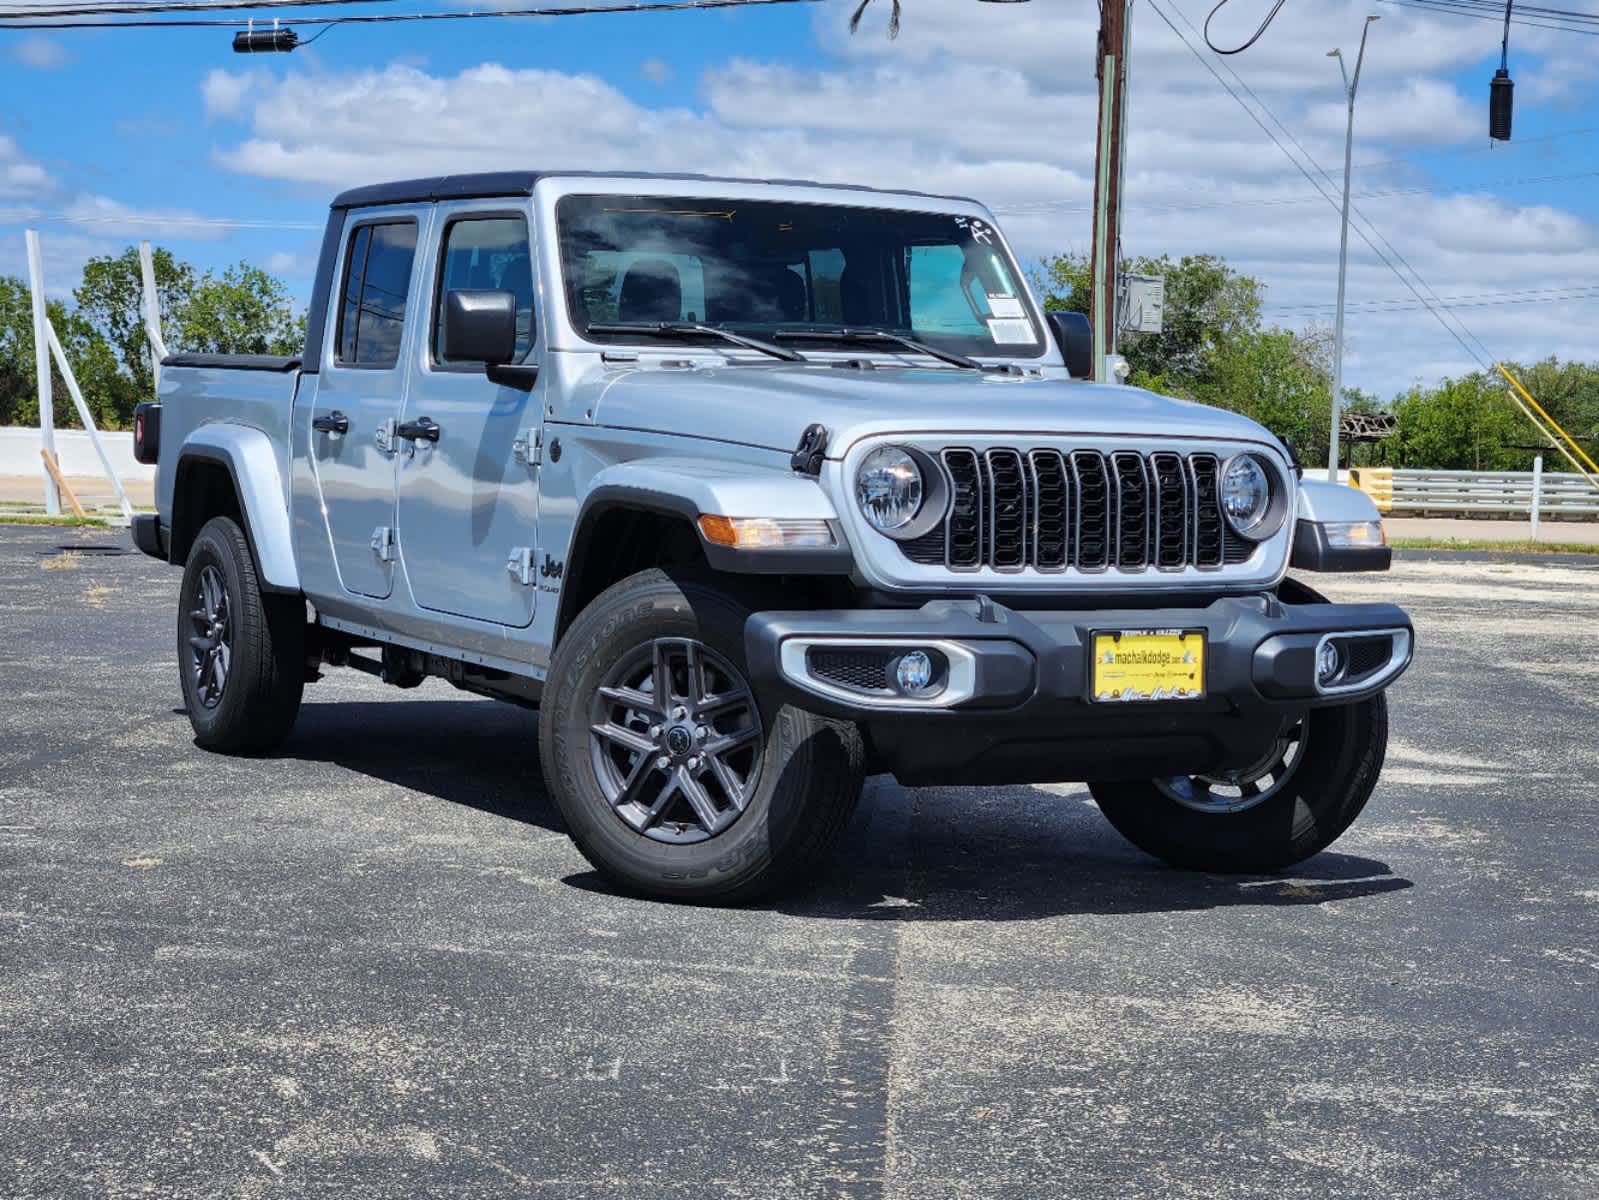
{"x":674,"y":781}
{"x":1292,"y":804}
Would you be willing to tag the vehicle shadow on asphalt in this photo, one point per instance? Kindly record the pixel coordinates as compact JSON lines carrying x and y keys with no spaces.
{"x":481,"y":755}
{"x":1027,"y":854}
{"x":978,"y":854}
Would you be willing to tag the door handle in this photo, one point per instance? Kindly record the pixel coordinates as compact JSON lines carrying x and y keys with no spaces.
{"x":334,"y":422}
{"x":424,"y":429}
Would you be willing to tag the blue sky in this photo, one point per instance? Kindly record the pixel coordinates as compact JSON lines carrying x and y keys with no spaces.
{"x":146,"y":133}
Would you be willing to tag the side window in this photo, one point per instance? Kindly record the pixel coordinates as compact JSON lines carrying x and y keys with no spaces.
{"x":487,"y":254}
{"x":377,"y":276}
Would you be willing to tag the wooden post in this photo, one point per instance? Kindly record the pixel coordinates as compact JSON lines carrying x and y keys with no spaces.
{"x":1112,"y":74}
{"x":41,"y":357}
{"x":53,"y":469}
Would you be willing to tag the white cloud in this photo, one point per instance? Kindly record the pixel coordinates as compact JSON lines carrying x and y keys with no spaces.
{"x":656,"y":71}
{"x":20,"y":177}
{"x":224,"y":93}
{"x":999,"y":102}
{"x":39,"y":52}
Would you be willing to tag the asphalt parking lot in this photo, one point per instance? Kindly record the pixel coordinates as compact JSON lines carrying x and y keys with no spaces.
{"x":372,"y":965}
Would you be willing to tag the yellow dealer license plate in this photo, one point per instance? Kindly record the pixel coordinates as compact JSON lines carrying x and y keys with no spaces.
{"x":1132,"y":665}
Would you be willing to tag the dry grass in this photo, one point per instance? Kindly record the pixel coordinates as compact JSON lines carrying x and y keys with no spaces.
{"x":67,"y":560}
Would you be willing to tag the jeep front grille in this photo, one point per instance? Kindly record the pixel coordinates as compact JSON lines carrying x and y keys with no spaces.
{"x":1053,"y":510}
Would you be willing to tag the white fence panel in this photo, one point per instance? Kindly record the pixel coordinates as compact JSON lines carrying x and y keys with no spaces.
{"x":19,"y":453}
{"x":1493,"y":493}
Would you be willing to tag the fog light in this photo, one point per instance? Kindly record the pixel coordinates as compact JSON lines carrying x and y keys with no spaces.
{"x":914,"y":673}
{"x":1329,"y":663}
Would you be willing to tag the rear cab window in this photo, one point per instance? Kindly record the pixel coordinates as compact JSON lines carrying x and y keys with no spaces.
{"x":377,"y":277}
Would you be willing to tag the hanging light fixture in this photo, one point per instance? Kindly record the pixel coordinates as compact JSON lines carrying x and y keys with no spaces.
{"x":1502,"y":91}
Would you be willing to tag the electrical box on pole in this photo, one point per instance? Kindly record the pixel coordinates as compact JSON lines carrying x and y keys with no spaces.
{"x":1143,"y":304}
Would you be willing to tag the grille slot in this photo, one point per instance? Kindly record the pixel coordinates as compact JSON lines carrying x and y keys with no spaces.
{"x":1051,"y":510}
{"x":1007,"y":510}
{"x":1093,"y":510}
{"x":1369,"y":654}
{"x":859,"y":670}
{"x":964,"y":544}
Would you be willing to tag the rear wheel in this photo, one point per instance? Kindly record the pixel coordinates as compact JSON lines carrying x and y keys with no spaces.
{"x":673,"y":780}
{"x":1295,"y":802}
{"x":240,"y":650}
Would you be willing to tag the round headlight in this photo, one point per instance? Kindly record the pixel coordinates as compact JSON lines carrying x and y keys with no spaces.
{"x":889,"y":487}
{"x":1246,"y":497}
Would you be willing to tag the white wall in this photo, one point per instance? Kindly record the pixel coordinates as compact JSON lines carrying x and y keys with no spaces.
{"x":19,"y":453}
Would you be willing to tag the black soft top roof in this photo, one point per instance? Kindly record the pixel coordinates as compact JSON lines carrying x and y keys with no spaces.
{"x":521,"y":183}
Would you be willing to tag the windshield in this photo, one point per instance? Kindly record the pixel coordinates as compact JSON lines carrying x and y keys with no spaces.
{"x":770,"y":268}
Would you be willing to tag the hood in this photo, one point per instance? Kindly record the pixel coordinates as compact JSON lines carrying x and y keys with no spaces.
{"x":770,"y":406}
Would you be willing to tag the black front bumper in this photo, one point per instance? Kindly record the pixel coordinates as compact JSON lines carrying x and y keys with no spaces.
{"x":1029,"y":717}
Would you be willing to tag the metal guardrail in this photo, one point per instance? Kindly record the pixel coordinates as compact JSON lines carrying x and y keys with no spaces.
{"x":1525,"y":494}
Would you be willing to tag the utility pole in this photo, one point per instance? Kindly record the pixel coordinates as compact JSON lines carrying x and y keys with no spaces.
{"x":1112,"y":74}
{"x":1351,"y":86}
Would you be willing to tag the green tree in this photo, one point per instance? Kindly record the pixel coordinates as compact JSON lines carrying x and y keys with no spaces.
{"x":244,"y":311}
{"x":108,"y":392}
{"x":1462,"y":425}
{"x":111,"y":299}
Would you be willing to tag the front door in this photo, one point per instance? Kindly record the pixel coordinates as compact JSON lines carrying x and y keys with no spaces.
{"x":359,"y":394}
{"x":468,"y":501}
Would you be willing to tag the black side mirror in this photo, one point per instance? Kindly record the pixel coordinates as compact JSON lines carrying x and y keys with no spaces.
{"x":479,"y":326}
{"x":1075,"y":337}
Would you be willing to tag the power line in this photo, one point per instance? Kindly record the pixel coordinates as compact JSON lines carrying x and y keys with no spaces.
{"x":1362,"y":217}
{"x":1063,"y":206}
{"x":1585,"y":26}
{"x":1577,"y":292}
{"x":1411,"y":287}
{"x":68,"y":8}
{"x":633,"y":6}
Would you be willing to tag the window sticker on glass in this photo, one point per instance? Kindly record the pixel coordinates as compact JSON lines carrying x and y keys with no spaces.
{"x":1006,"y":306}
{"x":1010,"y":332}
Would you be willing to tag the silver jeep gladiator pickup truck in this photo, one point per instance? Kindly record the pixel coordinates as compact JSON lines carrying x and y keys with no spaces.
{"x":753,"y":488}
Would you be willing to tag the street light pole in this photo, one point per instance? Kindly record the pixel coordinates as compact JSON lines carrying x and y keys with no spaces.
{"x":1351,"y":86}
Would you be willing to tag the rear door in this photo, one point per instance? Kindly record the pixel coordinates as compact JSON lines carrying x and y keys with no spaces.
{"x":468,"y":502}
{"x":360,"y":391}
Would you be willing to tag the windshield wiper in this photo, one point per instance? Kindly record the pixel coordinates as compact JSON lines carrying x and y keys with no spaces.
{"x":873,"y":334}
{"x":694,"y":329}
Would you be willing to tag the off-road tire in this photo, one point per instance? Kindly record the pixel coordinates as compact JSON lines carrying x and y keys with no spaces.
{"x":1344,"y":751}
{"x":266,"y":675}
{"x":808,"y":784}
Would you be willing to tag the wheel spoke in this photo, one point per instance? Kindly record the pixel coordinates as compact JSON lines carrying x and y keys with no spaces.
{"x":699,"y":800}
{"x":723,"y":742}
{"x":722,"y":701}
{"x":662,"y":669}
{"x":209,"y":588}
{"x":729,"y":781}
{"x":637,"y":774}
{"x":630,"y":738}
{"x":696,"y":684}
{"x":220,"y":670}
{"x":662,"y":799}
{"x":633,"y":698}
